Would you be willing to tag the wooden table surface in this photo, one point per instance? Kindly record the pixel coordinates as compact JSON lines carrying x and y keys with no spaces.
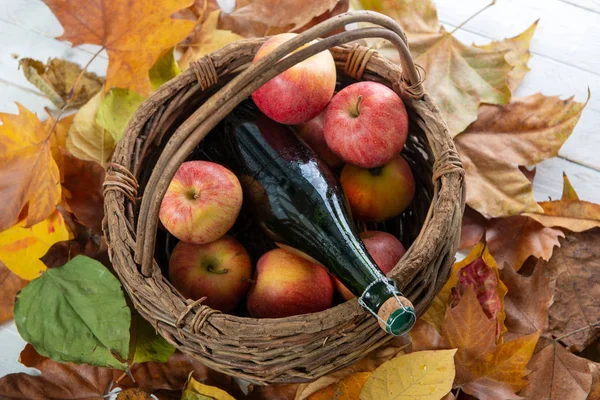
{"x":565,"y":62}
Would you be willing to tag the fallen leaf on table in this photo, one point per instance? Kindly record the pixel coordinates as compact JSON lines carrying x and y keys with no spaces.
{"x":10,"y":284}
{"x":512,"y":240}
{"x":426,"y":375}
{"x":134,"y":394}
{"x":557,"y":374}
{"x":145,"y":344}
{"x":194,"y":390}
{"x":346,"y":389}
{"x":60,"y":381}
{"x":206,"y":40}
{"x":21,"y":248}
{"x":472,"y":228}
{"x":524,"y":132}
{"x":574,"y":279}
{"x":30,"y":177}
{"x":517,"y":54}
{"x":526,"y":303}
{"x":412,"y":15}
{"x":88,"y":140}
{"x":164,"y":69}
{"x":56,"y":81}
{"x":569,"y":212}
{"x":134,"y":34}
{"x":116,"y":110}
{"x":76,"y":313}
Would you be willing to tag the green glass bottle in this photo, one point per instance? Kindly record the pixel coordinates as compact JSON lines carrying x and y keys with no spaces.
{"x":298,"y":202}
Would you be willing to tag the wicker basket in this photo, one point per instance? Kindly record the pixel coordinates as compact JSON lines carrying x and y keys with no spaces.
{"x":174,"y":119}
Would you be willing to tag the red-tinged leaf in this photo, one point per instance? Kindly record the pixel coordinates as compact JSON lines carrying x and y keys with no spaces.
{"x":473,"y":228}
{"x":82,"y":182}
{"x":557,"y":374}
{"x":10,"y":284}
{"x":514,"y":239}
{"x":489,"y":389}
{"x":526,"y":303}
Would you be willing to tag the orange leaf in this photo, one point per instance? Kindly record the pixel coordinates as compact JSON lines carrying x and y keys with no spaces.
{"x":346,"y":389}
{"x":10,"y":284}
{"x":134,"y":33}
{"x":21,"y":248}
{"x":29,"y":175}
{"x":574,"y":215}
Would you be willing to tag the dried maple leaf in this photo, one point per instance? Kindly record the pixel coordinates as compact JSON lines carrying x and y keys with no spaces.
{"x":10,"y":284}
{"x":524,"y":132}
{"x":57,"y":79}
{"x":557,"y":374}
{"x":512,"y":240}
{"x":21,"y":248}
{"x":517,"y":54}
{"x":134,"y":394}
{"x":472,"y":228}
{"x":573,"y":273}
{"x":30,"y":178}
{"x":412,"y":15}
{"x":256,"y":18}
{"x":82,"y":184}
{"x":569,"y":212}
{"x":206,"y":40}
{"x":526,"y":303}
{"x":134,"y":34}
{"x":346,"y":389}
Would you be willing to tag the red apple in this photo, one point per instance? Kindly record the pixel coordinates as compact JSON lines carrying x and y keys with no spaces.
{"x":366,"y":124}
{"x":202,"y":202}
{"x":300,"y":93}
{"x":312,"y":133}
{"x":386,"y":251}
{"x":286,"y":285}
{"x":219,"y":270}
{"x":380,"y":193}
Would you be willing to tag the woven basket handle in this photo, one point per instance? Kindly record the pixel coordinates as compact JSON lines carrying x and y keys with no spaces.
{"x":203,"y":120}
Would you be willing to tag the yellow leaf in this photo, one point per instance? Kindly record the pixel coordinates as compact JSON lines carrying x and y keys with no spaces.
{"x":346,"y":389}
{"x":207,"y":39}
{"x":194,"y":390}
{"x":412,"y":15}
{"x":525,"y":132}
{"x":425,"y":375}
{"x":165,"y":69}
{"x":30,"y":177}
{"x":86,"y":138}
{"x":518,"y":54}
{"x":134,"y":34}
{"x":569,"y":192}
{"x":21,"y":248}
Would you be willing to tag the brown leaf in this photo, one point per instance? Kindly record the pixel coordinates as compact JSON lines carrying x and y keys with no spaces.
{"x":134,"y":394}
{"x":83,"y":190}
{"x":529,"y":174}
{"x":134,"y":34}
{"x":524,"y":132}
{"x":413,"y":15}
{"x":60,"y":381}
{"x":595,"y":392}
{"x":576,"y":285}
{"x":517,"y":54}
{"x":56,"y":81}
{"x":526,"y":303}
{"x":273,"y":392}
{"x":512,"y":240}
{"x":346,"y":389}
{"x":10,"y":284}
{"x":425,"y":336}
{"x":557,"y":374}
{"x":206,"y":40}
{"x":574,"y":215}
{"x":489,"y":389}
{"x":259,"y":16}
{"x":472,"y":228}
{"x":29,"y":175}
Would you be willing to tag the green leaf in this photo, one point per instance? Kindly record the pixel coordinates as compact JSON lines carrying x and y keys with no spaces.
{"x":116,"y":110}
{"x":76,"y":313}
{"x":146,"y":344}
{"x":164,"y":69}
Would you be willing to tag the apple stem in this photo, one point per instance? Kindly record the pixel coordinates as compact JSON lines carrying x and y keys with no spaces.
{"x":357,"y":110}
{"x":249,"y":280}
{"x":375,"y":171}
{"x":212,"y":269}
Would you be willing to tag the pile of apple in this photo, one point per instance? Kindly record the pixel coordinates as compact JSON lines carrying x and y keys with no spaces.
{"x":361,"y":129}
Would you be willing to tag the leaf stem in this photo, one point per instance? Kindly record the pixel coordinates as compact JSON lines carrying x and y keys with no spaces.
{"x":473,"y":16}
{"x":590,"y":326}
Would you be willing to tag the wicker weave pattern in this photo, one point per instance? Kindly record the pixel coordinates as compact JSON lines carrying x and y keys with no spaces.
{"x":176,"y":117}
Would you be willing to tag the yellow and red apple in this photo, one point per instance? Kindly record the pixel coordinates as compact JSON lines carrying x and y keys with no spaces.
{"x":376,"y":194}
{"x":366,"y":124}
{"x":202,"y":202}
{"x":300,"y":93}
{"x":312,"y":133}
{"x":287,"y":284}
{"x":219,"y":270}
{"x":386,"y":251}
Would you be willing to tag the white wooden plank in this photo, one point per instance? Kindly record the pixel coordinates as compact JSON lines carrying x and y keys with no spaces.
{"x":565,"y":33}
{"x":548,"y":180}
{"x":590,"y":5}
{"x":554,"y":78}
{"x":11,"y":345}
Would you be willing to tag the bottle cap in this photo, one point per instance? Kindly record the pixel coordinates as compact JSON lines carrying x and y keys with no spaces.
{"x":399,"y":317}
